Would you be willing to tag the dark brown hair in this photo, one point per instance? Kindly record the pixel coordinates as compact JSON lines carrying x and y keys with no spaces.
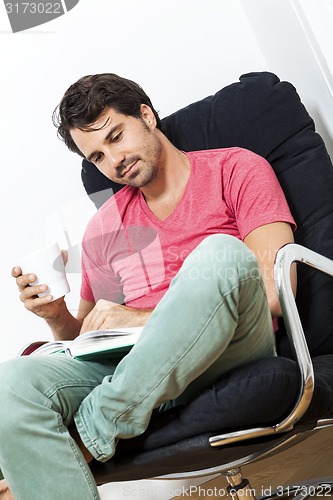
{"x":86,"y":99}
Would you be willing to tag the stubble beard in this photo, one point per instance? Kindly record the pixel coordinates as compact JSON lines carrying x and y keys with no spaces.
{"x":150,"y":168}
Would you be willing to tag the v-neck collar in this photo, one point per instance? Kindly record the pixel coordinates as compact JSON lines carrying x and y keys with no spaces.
{"x":156,"y":220}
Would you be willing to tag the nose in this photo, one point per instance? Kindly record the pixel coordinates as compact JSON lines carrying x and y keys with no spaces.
{"x":113,"y":159}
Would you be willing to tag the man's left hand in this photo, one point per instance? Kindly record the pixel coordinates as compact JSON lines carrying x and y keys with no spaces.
{"x":108,"y":315}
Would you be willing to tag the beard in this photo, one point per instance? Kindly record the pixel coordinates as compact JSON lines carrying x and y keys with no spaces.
{"x":149,"y":163}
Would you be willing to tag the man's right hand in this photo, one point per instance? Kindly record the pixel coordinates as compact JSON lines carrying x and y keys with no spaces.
{"x":41,"y":306}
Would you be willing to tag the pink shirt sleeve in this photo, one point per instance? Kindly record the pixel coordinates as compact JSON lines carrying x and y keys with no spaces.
{"x":253,"y":192}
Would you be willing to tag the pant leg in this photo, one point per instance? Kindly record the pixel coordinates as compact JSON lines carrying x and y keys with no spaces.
{"x":38,"y":397}
{"x":214,"y":317}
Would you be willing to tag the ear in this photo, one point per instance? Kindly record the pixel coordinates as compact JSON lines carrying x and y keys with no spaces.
{"x":148,"y":116}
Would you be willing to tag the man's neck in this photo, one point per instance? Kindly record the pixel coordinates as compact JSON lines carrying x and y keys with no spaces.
{"x":164,"y":193}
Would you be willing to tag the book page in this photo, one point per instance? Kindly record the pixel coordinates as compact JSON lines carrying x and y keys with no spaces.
{"x":104,"y":340}
{"x":96,"y":341}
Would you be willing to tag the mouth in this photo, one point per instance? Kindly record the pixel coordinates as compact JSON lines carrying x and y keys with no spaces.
{"x":127,"y":172}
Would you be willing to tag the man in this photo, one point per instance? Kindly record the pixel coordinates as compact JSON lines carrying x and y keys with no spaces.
{"x":193,"y":267}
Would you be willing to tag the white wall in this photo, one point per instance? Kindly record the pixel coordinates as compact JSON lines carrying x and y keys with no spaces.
{"x":179,"y":51}
{"x":295,"y":48}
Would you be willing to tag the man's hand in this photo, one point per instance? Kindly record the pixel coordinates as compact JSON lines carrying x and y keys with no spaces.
{"x":63,"y":325}
{"x":41,"y":306}
{"x":5,"y":493}
{"x":107,"y":315}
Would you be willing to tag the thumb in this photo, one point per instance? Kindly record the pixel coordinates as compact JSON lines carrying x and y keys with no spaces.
{"x":64,"y":254}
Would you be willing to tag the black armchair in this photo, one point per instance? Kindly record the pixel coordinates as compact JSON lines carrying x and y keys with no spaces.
{"x":267,"y":406}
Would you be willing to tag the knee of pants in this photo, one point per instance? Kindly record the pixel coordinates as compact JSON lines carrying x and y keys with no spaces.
{"x":225,"y":256}
{"x":19,"y":385}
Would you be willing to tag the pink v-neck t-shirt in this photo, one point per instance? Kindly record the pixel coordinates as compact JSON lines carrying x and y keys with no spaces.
{"x":130,"y":256}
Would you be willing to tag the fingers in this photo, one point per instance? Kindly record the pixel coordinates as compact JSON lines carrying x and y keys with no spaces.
{"x":93,"y":321}
{"x":98,"y":317}
{"x":43,"y":306}
{"x":106,"y":314}
{"x":30,"y":298}
{"x":28,"y":291}
{"x":22,"y":280}
{"x":25,"y":280}
{"x":16,"y":271}
{"x":64,"y":254}
{"x":24,"y":283}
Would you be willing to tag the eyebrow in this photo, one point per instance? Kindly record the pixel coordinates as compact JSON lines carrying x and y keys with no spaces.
{"x":106,"y":138}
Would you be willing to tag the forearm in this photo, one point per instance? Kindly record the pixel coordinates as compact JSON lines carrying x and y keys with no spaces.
{"x":65,"y":326}
{"x":265,"y":242}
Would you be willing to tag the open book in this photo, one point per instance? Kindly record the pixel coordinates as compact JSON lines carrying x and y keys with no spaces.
{"x":90,"y":345}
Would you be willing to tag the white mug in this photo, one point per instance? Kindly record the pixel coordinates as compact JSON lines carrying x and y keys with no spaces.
{"x":48,"y":266}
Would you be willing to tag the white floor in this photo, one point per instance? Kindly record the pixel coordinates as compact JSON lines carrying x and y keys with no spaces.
{"x":149,"y":489}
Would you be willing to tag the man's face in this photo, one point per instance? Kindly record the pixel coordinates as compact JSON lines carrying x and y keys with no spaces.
{"x":125,"y":149}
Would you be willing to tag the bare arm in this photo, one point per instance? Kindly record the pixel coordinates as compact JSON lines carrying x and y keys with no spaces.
{"x":90,"y":316}
{"x":264,"y":242}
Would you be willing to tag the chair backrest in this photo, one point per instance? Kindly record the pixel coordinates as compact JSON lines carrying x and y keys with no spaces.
{"x":265,"y":115}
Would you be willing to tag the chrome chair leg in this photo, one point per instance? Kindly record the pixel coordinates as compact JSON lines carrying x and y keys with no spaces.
{"x":239,"y":487}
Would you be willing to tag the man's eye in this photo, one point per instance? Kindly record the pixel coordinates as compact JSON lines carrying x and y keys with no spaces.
{"x":117,"y":137}
{"x":98,"y":158}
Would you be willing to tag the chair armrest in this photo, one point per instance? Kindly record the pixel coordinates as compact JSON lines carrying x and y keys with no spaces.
{"x":285,"y":257}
